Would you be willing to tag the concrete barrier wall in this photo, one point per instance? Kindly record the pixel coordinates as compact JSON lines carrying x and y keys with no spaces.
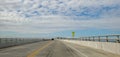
{"x":106,"y":46}
{"x":6,"y":42}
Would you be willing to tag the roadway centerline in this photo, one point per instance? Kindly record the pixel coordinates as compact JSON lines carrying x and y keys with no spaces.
{"x":35,"y":52}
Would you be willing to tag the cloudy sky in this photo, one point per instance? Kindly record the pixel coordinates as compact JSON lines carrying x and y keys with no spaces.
{"x":52,"y":18}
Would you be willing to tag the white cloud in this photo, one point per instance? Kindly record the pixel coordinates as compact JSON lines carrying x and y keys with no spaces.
{"x":92,"y":2}
{"x":49,"y":24}
{"x":27,"y":6}
{"x":10,"y":1}
{"x":11,"y":16}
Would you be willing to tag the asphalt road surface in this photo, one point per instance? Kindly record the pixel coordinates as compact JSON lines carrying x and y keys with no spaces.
{"x":53,"y":49}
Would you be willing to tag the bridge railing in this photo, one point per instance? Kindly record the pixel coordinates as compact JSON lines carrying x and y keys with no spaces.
{"x":6,"y":42}
{"x":106,"y":38}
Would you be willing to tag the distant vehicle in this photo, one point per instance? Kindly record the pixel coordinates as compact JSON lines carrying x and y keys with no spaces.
{"x":52,"y":39}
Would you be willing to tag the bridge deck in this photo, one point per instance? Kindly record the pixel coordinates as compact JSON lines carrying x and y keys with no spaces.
{"x":53,"y":49}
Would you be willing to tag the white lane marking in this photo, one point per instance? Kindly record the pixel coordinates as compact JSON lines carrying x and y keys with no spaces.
{"x":77,"y":50}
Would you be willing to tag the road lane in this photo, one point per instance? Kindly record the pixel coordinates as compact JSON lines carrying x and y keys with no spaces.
{"x":22,"y":50}
{"x":58,"y":49}
{"x":37,"y":51}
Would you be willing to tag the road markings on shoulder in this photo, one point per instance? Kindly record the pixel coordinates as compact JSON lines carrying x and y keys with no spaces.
{"x":37,"y":51}
{"x":77,"y":50}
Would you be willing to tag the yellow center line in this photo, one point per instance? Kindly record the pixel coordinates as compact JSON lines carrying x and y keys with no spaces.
{"x":34,"y":53}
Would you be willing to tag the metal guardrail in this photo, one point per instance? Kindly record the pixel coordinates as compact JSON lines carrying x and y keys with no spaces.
{"x":106,"y":38}
{"x":6,"y":42}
